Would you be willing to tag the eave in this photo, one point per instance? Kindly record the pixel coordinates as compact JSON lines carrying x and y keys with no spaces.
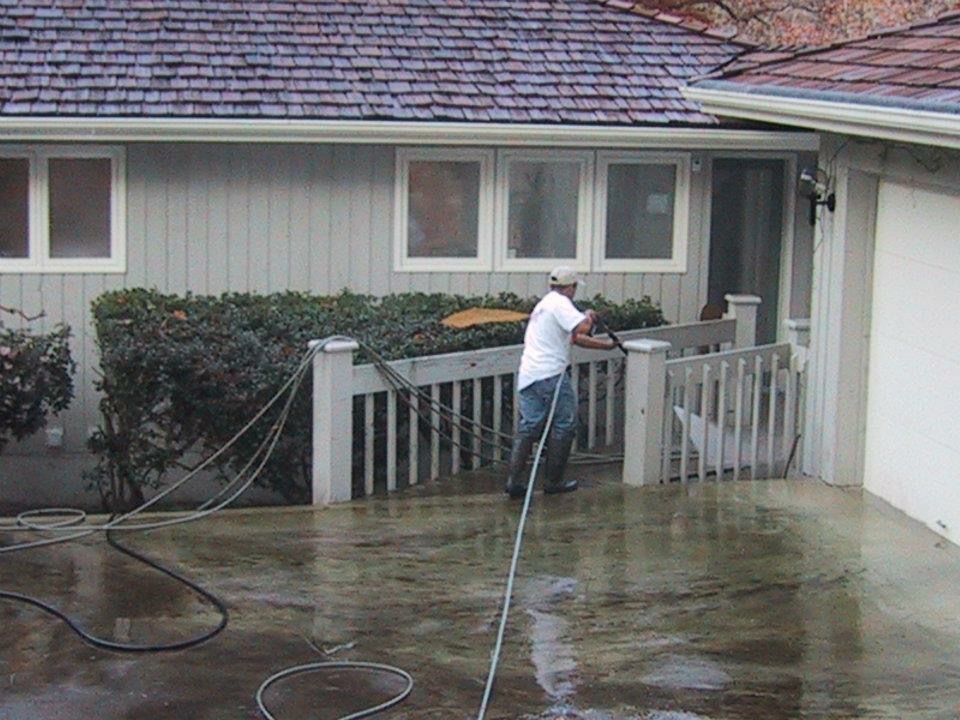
{"x":66,"y":129}
{"x":881,"y":119}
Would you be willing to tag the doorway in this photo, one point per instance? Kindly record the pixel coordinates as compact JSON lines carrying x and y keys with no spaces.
{"x":746,"y":235}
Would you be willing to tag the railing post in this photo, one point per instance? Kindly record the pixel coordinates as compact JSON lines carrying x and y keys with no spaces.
{"x":333,"y":422}
{"x":644,"y":411}
{"x":798,"y":333}
{"x":743,"y":309}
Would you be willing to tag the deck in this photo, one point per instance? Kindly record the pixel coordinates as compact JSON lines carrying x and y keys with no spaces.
{"x":775,"y":600}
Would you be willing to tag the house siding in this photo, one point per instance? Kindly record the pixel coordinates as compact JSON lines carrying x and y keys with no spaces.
{"x":210,"y":218}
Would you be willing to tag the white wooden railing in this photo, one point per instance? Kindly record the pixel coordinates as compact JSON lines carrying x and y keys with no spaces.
{"x":367,"y":433}
{"x":728,"y":414}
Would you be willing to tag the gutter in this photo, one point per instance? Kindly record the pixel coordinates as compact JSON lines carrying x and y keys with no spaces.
{"x":65,"y":129}
{"x":902,"y":121}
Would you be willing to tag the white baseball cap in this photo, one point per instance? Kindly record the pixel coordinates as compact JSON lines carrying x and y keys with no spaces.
{"x":564,"y":275}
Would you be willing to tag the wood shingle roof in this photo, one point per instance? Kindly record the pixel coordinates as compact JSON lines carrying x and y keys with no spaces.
{"x":513,"y":61}
{"x":912,"y":67}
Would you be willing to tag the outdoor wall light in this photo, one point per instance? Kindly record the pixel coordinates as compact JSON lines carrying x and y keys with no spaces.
{"x":813,"y":186}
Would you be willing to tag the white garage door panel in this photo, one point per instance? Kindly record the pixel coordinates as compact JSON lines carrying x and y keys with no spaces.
{"x":928,"y":223}
{"x":926,"y":320}
{"x":915,"y":475}
{"x":913,"y":406}
{"x":919,"y":390}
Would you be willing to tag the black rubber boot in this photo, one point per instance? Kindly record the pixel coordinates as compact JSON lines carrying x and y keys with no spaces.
{"x":558,"y":452}
{"x":516,"y":480}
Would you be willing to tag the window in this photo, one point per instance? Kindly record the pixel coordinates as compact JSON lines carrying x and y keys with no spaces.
{"x":14,"y":207}
{"x":444,"y":208}
{"x":61,"y":209}
{"x":544,"y":202}
{"x":601,"y":211}
{"x":641,"y":212}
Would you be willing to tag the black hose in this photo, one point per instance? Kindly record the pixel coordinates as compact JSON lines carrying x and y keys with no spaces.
{"x":104,"y":644}
{"x":28,"y":521}
{"x":793,"y":451}
{"x":403,"y":387}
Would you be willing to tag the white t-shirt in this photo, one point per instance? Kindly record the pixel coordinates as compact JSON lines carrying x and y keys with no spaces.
{"x":547,"y":341}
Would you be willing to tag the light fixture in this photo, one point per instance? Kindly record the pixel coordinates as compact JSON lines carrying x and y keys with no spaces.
{"x":813,"y":186}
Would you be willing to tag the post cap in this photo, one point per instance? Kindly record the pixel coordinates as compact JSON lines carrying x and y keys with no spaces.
{"x":338,"y":345}
{"x":647,"y":346}
{"x":735,"y":299}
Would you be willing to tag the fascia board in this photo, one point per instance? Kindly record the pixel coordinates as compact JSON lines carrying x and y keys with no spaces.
{"x":876,"y":121}
{"x":27,"y":129}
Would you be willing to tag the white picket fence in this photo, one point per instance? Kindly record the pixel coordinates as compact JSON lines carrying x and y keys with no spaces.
{"x":369,"y":434}
{"x":727,"y":415}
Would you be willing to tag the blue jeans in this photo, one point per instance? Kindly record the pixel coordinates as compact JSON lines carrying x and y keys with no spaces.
{"x":535,"y":401}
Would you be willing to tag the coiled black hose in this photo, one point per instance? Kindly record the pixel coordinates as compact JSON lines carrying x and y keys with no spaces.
{"x":105,"y":644}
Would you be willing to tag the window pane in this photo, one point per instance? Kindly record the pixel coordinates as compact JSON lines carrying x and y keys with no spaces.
{"x":640,"y":211}
{"x":443,"y":209}
{"x":79,"y":207}
{"x":14,"y":207}
{"x":543,"y":209}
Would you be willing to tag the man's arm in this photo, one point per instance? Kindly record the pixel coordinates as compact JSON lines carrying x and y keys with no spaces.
{"x":582,"y":337}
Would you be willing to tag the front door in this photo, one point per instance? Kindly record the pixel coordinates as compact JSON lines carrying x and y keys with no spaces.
{"x":746,"y":235}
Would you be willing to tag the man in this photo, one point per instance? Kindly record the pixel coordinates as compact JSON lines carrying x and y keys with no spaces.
{"x":554,"y":326}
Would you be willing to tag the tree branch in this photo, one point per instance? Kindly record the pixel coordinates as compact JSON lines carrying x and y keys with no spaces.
{"x":22,"y":314}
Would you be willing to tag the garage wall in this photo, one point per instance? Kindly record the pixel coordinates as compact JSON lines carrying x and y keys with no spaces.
{"x":883,"y":389}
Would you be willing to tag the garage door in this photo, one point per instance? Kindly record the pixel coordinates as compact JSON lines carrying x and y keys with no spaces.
{"x":913,"y":401}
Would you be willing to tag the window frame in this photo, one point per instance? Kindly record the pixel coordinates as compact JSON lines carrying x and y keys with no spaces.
{"x":677,"y":262}
{"x":585,"y":158}
{"x":38,"y":258}
{"x":479,"y":263}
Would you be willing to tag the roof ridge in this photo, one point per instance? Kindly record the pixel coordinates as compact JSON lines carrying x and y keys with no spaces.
{"x":687,"y":23}
{"x":801,"y":51}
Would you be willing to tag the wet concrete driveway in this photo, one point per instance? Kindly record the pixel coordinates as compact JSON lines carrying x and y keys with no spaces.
{"x":754,"y":600}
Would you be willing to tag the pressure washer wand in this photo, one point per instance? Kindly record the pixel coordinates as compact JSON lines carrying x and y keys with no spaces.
{"x":603,"y":327}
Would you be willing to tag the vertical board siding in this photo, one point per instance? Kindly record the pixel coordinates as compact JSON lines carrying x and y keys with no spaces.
{"x":216,"y":223}
{"x":210,"y":218}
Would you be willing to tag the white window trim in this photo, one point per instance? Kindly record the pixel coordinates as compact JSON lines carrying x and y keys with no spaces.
{"x":677,"y":262}
{"x":39,"y":260}
{"x":482,"y":261}
{"x":582,"y":260}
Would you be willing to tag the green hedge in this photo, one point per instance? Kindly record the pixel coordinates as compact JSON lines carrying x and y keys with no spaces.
{"x":181,"y":375}
{"x":36,"y":378}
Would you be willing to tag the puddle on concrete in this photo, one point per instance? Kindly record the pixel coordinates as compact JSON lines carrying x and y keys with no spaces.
{"x":687,"y":673}
{"x":732,"y":602}
{"x":553,"y":656}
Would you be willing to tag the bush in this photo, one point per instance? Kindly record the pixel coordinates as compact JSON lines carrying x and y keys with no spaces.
{"x":36,"y":378}
{"x":180,"y":375}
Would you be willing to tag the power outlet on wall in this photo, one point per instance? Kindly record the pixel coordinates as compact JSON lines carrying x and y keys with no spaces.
{"x":54,"y":436}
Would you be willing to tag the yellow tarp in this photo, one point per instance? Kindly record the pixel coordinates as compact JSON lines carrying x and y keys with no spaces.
{"x":481,"y":316}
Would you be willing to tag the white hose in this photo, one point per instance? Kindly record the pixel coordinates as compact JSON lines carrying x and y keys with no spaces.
{"x":508,"y":594}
